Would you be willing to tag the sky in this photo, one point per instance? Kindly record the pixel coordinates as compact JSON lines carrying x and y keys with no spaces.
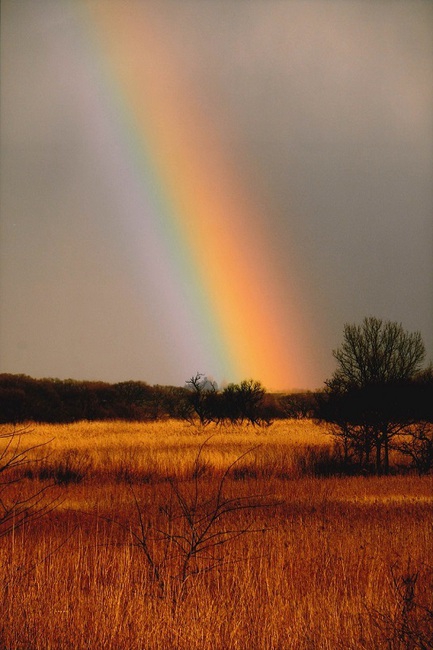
{"x":212,"y":187}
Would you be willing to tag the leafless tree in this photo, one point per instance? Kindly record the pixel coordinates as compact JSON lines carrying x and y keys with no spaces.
{"x":374,"y":359}
{"x":417,"y":443}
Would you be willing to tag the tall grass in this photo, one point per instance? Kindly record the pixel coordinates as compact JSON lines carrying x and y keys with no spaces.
{"x":104,"y":451}
{"x":315,"y":572}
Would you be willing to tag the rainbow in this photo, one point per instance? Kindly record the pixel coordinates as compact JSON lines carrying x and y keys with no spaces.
{"x":215,"y":240}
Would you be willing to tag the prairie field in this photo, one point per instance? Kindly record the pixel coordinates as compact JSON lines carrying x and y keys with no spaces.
{"x":159,"y":536}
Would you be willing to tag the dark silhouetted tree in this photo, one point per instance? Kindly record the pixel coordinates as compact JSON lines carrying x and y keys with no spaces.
{"x":245,"y":402}
{"x":298,"y":405}
{"x":365,"y":397}
{"x":377,"y":353}
{"x":202,"y":399}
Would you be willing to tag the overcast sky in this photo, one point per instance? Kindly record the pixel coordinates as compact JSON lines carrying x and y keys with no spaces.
{"x":327,"y":106}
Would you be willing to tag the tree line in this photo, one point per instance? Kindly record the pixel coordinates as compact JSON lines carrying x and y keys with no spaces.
{"x":23,"y":399}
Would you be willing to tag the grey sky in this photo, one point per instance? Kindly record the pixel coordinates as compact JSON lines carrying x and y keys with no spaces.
{"x":327,"y":106}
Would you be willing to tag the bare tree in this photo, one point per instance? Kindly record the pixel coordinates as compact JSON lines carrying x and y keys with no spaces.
{"x":377,"y":352}
{"x":244,"y":402}
{"x":417,"y":444}
{"x":202,"y":398}
{"x":375,"y":359}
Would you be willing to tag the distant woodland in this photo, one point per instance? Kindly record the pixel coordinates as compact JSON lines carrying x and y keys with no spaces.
{"x":24,"y":398}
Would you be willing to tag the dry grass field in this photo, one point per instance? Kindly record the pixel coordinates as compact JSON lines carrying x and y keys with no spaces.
{"x":165,"y":536}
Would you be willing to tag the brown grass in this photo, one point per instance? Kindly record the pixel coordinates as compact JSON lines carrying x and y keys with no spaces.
{"x":317,"y":573}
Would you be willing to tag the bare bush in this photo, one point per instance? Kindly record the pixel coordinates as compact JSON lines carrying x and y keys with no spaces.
{"x":409,"y":624}
{"x":17,"y":505}
{"x":196,"y":525}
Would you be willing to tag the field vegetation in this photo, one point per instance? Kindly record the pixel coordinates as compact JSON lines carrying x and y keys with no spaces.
{"x":161,"y":535}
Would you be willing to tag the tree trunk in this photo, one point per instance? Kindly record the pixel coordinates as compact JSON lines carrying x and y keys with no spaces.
{"x":367,"y":449}
{"x":378,"y":455}
{"x":386,"y":453}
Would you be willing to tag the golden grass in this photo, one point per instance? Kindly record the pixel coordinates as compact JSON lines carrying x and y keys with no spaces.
{"x":316,"y":574}
{"x":158,"y":450}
